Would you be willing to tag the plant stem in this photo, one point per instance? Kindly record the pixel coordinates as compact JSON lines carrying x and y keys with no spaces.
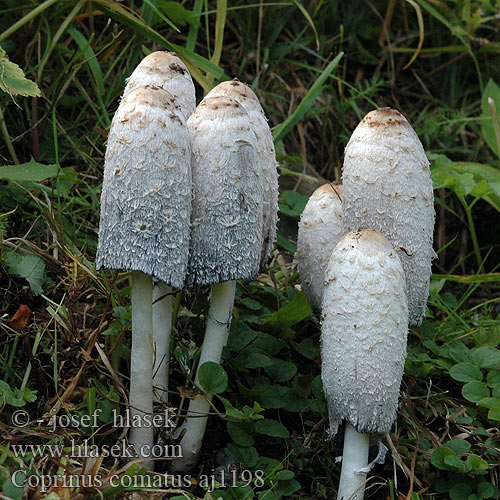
{"x":473,"y":235}
{"x":355,"y":457}
{"x":6,"y":137}
{"x":496,"y":123}
{"x":141,"y":365}
{"x":162,"y":330}
{"x":219,"y":316}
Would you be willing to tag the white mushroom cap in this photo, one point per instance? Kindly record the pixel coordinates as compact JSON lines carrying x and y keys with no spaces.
{"x":320,"y":229}
{"x":265,"y":147}
{"x":146,"y":193}
{"x":387,"y":186}
{"x":166,"y":70}
{"x":226,"y":238}
{"x":364,"y":330}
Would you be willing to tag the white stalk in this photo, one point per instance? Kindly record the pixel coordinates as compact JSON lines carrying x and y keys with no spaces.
{"x":219,"y":316}
{"x":141,"y":365}
{"x":354,"y":459}
{"x":162,"y":330}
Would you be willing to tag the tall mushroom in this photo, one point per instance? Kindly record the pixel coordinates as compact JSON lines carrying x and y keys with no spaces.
{"x":363,"y":336}
{"x":387,"y":186}
{"x":265,"y":147}
{"x":226,"y":237}
{"x":145,"y":216}
{"x":320,"y":229}
{"x":166,"y":70}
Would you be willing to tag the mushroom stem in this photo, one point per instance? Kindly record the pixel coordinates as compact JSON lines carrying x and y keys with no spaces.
{"x":354,"y":459}
{"x":162,"y":330}
{"x":141,"y":365}
{"x":219,"y":317}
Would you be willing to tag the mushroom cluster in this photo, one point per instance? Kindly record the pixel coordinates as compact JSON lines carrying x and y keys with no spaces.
{"x":365,"y":264}
{"x":189,"y":198}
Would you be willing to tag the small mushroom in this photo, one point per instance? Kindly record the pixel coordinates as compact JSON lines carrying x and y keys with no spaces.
{"x":265,"y":147}
{"x":145,"y":216}
{"x":387,"y":186}
{"x":226,"y":238}
{"x":363,"y":337}
{"x":320,"y":229}
{"x":165,"y":70}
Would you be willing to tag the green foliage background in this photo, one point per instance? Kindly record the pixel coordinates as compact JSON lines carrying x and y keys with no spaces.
{"x":317,"y":67}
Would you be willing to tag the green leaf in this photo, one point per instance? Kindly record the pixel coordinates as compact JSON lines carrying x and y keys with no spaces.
{"x":494,"y":414}
{"x":307,"y":348}
{"x":31,"y":171}
{"x":250,"y":358}
{"x":178,"y":13}
{"x":486,"y":490}
{"x":455,"y":462}
{"x":295,"y":311}
{"x":281,"y":371}
{"x":241,"y":433}
{"x":493,"y":403}
{"x":15,"y":397}
{"x":483,"y":173}
{"x":292,"y":203}
{"x":272,"y":428}
{"x":240,"y":335}
{"x":474,"y":391}
{"x":212,"y":377}
{"x":286,"y":244}
{"x":13,"y":80}
{"x":493,"y":377}
{"x":475,"y":463}
{"x":287,"y":488}
{"x":460,"y":491}
{"x":486,"y":357}
{"x":268,"y":344}
{"x":466,"y":372}
{"x":285,"y":475}
{"x":459,"y":446}
{"x":13,"y":491}
{"x":317,"y":387}
{"x":248,"y":456}
{"x":491,"y":90}
{"x":438,"y":458}
{"x":29,"y":267}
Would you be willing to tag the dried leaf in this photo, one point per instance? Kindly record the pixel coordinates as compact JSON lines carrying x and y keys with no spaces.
{"x":20,"y":318}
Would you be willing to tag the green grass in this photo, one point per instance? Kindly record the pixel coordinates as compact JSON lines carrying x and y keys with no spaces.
{"x":72,"y":356}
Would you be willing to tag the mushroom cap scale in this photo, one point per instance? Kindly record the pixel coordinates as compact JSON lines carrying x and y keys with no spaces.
{"x":146,"y":193}
{"x":320,"y":229}
{"x":226,"y":237}
{"x":265,"y":147}
{"x":364,"y":331}
{"x":166,"y":70}
{"x":387,"y":187}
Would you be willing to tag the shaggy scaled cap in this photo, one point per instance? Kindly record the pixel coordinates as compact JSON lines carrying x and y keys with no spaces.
{"x":320,"y":229}
{"x":146,"y":193}
{"x":265,"y":147}
{"x":387,"y":186}
{"x":363,"y":334}
{"x":226,"y":237}
{"x":167,"y":71}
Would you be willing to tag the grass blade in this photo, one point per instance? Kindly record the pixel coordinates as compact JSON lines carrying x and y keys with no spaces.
{"x":285,"y":127}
